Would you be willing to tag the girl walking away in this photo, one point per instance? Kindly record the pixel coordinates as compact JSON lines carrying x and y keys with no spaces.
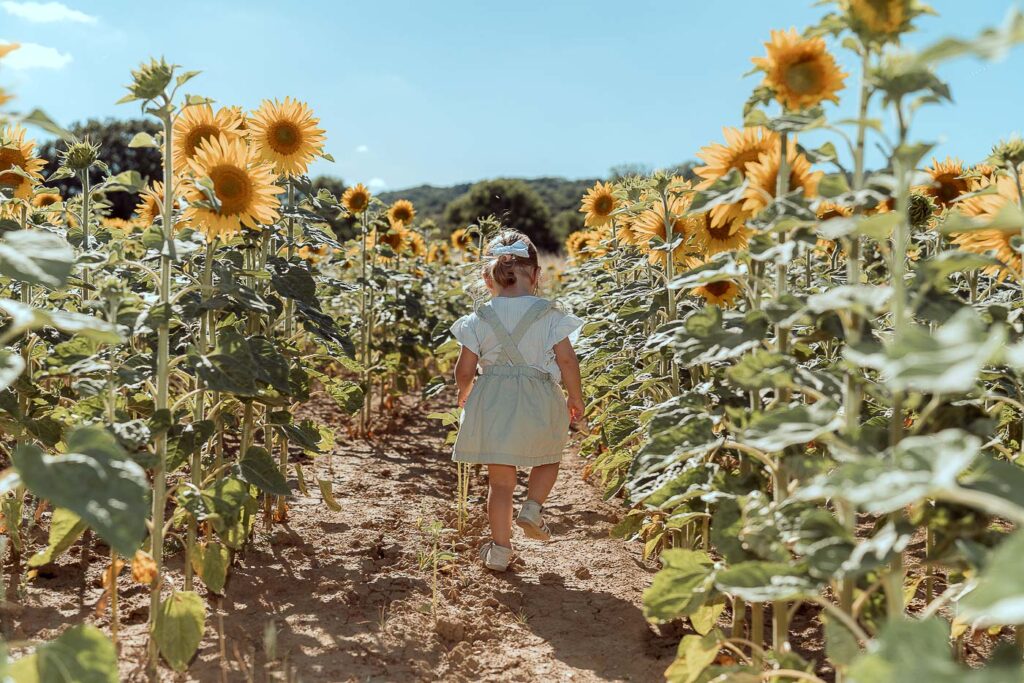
{"x":515,"y":413}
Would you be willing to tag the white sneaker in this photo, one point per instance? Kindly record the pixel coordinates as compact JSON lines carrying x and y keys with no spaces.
{"x":495,"y":556}
{"x":532,"y":522}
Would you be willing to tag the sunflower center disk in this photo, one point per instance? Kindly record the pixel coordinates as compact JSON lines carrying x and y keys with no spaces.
{"x":285,"y":138}
{"x":233,"y":189}
{"x":717,"y":288}
{"x":803,"y":76}
{"x":603,"y":205}
{"x":199,"y":135}
{"x":10,"y":158}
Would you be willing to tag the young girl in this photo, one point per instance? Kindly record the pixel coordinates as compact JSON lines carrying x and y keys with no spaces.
{"x":515,"y":412}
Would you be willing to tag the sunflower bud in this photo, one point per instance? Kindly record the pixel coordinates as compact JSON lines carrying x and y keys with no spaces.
{"x":80,"y":156}
{"x":1008,"y":152}
{"x":150,"y":80}
{"x":920,"y":208}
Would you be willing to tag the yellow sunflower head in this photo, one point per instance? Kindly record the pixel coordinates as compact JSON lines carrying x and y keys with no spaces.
{"x":401,"y":213}
{"x":243,"y":185}
{"x":356,"y":199}
{"x":651,"y":229}
{"x":827,"y":210}
{"x":764,"y":173}
{"x":313,"y":254}
{"x":720,"y":293}
{"x":438,"y":253}
{"x":799,"y":71}
{"x":996,"y":242}
{"x":415,"y":244}
{"x":710,"y":239}
{"x":948,"y":181}
{"x":742,"y":146}
{"x":195,"y":125}
{"x":598,"y":204}
{"x":19,"y":167}
{"x":880,"y":20}
{"x":151,"y":203}
{"x":46,"y":199}
{"x":462,"y":240}
{"x":287,"y":135}
{"x":395,"y":237}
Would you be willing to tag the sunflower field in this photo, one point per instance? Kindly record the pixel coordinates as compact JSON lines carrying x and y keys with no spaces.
{"x":805,"y":375}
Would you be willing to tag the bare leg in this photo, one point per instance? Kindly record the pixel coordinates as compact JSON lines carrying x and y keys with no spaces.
{"x":542,"y":480}
{"x":502,"y":483}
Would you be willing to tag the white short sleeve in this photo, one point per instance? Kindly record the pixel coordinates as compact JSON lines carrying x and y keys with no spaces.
{"x":464,"y":330}
{"x":562,"y":325}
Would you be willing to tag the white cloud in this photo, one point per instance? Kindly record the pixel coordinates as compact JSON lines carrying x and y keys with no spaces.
{"x":35,"y":56}
{"x":46,"y":12}
{"x":362,"y":149}
{"x":377,"y":184}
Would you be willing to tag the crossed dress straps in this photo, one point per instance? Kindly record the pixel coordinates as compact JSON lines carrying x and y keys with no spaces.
{"x":509,"y":341}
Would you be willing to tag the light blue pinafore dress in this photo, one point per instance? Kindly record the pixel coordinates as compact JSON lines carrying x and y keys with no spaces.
{"x":516,"y":413}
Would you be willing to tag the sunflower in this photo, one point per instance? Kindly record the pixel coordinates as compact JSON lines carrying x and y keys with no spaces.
{"x":395,"y":237}
{"x":742,"y":146}
{"x":401,"y":213}
{"x":884,"y":19}
{"x":624,"y":231}
{"x":763,"y":178}
{"x":948,"y":181}
{"x":826,"y":211}
{"x":462,"y":240}
{"x":355,"y":199}
{"x":4,"y":51}
{"x":197,"y":124}
{"x":244,"y":188}
{"x":720,"y":293}
{"x":18,"y":153}
{"x":800,"y":71}
{"x":650,"y":226}
{"x":286,"y":134}
{"x":415,"y":244}
{"x":575,"y":242}
{"x":46,"y":199}
{"x":151,"y":203}
{"x":313,"y":254}
{"x":598,"y":204}
{"x":438,"y":253}
{"x":981,"y":175}
{"x":994,"y":240}
{"x":118,"y":224}
{"x":709,"y":239}
{"x":583,"y":245}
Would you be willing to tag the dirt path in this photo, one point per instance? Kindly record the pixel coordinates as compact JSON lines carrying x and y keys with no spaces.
{"x":349,"y":599}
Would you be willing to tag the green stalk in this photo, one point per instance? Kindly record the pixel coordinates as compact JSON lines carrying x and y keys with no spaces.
{"x":669,"y":276}
{"x":86,"y":191}
{"x":852,"y":397}
{"x":780,"y":609}
{"x":162,"y":384}
{"x":199,"y":412}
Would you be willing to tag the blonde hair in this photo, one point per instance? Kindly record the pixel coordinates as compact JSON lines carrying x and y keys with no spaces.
{"x":503,"y":270}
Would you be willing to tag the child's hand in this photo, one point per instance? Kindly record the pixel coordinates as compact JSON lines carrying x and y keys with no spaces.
{"x":463,"y":397}
{"x":576,"y":409}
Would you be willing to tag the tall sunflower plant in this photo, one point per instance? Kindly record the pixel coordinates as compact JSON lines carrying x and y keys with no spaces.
{"x":811,"y":397}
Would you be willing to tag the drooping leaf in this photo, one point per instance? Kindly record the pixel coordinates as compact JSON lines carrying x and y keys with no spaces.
{"x":211,"y":562}
{"x":258,"y":468}
{"x":96,"y":480}
{"x":775,"y":429}
{"x":36,"y":257}
{"x":998,"y":598}
{"x":180,"y":628}
{"x":682,"y":586}
{"x":694,"y":655}
{"x":918,"y":467}
{"x":82,"y":654}
{"x":765,"y":581}
{"x":65,"y":528}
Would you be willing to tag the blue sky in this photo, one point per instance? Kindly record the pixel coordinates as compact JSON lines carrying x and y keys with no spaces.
{"x":449,"y":91}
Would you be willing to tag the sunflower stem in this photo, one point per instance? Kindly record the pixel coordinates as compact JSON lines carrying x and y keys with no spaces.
{"x":162,"y":371}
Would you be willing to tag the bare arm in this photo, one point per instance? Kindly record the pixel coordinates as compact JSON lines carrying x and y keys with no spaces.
{"x":565,"y":356}
{"x":465,"y":373}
